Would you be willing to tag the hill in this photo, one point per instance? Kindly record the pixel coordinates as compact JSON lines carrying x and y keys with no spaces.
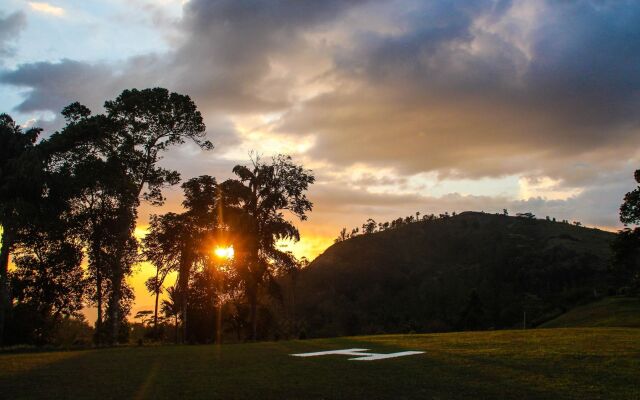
{"x":533,"y":364}
{"x":608,"y":312}
{"x":470,"y":271}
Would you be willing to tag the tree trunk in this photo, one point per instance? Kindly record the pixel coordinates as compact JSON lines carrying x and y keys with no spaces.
{"x":176,"y":327}
{"x":155,"y":315}
{"x":116,"y":293}
{"x":114,"y":307}
{"x":254,"y":319}
{"x":95,"y":258}
{"x":183,"y":311}
{"x":4,"y":281}
{"x":183,"y":284}
{"x":294,"y":324}
{"x":98,"y":335}
{"x":218,"y":338}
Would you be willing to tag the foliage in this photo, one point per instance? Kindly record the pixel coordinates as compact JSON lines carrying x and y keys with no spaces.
{"x":20,"y":191}
{"x":254,"y":205}
{"x":627,"y":244}
{"x":110,"y":161}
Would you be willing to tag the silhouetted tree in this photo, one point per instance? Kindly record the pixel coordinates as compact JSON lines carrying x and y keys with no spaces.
{"x":19,"y":189}
{"x":155,"y":286}
{"x":342,"y":236}
{"x":120,"y":150}
{"x":171,"y":308}
{"x":254,"y":203}
{"x":177,"y":241}
{"x":369,"y":227}
{"x":100,"y":194}
{"x":147,"y":123}
{"x":626,"y":247}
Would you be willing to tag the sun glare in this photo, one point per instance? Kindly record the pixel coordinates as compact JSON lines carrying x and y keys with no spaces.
{"x":224,"y":252}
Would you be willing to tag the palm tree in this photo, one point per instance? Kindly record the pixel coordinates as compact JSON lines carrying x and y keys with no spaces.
{"x":171,"y":308}
{"x":254,"y":204}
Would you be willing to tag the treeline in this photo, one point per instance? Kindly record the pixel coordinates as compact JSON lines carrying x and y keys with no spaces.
{"x":371,"y":226}
{"x":73,"y":198}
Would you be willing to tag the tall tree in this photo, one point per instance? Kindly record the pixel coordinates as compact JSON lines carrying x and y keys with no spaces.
{"x":255,"y":203}
{"x":176,"y":242}
{"x":20,"y":168}
{"x":163,"y":247}
{"x":98,"y":192}
{"x":120,"y":151}
{"x":148,"y":122}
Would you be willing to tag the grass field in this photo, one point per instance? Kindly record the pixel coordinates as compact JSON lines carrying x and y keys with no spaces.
{"x":608,"y":312}
{"x":592,"y":363}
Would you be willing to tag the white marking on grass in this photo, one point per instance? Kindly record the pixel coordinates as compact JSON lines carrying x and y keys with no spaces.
{"x":359,"y":354}
{"x":345,"y":352}
{"x":376,"y":356}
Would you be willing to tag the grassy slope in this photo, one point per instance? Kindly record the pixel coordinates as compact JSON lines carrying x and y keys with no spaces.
{"x":547,"y":363}
{"x":608,"y":312}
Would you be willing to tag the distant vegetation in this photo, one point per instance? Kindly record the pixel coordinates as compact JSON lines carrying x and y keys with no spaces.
{"x":465,"y":272}
{"x":371,"y":226}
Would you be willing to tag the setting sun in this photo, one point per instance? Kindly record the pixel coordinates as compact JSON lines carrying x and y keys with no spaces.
{"x":224,"y":252}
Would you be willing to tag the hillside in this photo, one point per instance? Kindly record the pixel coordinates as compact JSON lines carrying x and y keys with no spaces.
{"x":534,"y":364}
{"x":470,"y":271}
{"x":608,"y":312}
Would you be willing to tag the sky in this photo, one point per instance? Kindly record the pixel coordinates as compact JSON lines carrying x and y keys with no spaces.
{"x":397,"y":106}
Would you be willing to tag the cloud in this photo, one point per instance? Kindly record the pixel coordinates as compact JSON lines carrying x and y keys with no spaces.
{"x":53,"y":85}
{"x":338,"y":206}
{"x":46,"y":8}
{"x":541,"y":90}
{"x":10,"y":27}
{"x":469,"y":89}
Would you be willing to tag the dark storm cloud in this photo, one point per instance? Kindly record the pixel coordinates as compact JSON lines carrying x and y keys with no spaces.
{"x":464,"y":88}
{"x":54,"y":85}
{"x":10,"y":27}
{"x":230,"y":48}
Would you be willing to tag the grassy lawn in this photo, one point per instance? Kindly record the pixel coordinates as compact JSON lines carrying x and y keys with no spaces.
{"x":611,"y":311}
{"x":584,"y":363}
